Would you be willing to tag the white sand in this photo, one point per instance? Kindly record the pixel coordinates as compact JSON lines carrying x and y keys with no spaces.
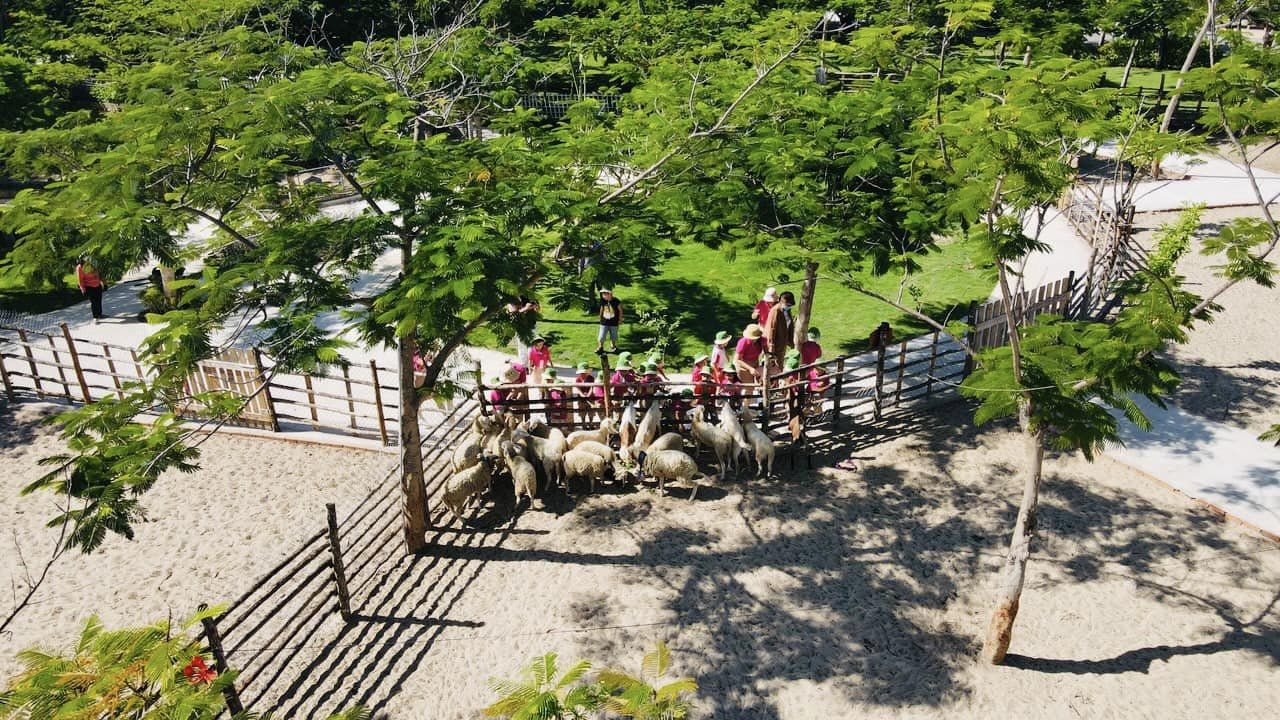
{"x":1230,"y":367}
{"x":825,"y":595}
{"x":210,"y":536}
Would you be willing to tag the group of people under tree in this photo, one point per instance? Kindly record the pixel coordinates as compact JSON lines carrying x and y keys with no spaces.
{"x":729,"y":371}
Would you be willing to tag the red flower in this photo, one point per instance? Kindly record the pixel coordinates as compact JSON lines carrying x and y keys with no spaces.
{"x":197,"y":672}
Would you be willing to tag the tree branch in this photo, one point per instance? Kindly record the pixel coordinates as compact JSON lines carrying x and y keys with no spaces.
{"x":220,"y":223}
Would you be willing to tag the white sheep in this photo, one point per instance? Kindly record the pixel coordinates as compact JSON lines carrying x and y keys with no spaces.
{"x":669,"y":441}
{"x":595,"y":448}
{"x":547,"y":452}
{"x":627,"y":424}
{"x":523,"y":475}
{"x":664,"y":465}
{"x":762,"y":447}
{"x":720,"y":442}
{"x":464,"y":484}
{"x":650,"y":426}
{"x":583,"y":464}
{"x":600,"y":435}
{"x":467,"y":454}
{"x":730,"y":423}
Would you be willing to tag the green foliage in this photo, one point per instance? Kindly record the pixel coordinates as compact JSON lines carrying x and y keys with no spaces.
{"x":542,"y":694}
{"x":635,"y":697}
{"x":1273,"y":433}
{"x":134,"y":674}
{"x":1237,"y":243}
{"x":1173,"y":240}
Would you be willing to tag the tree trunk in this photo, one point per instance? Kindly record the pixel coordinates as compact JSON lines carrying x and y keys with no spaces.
{"x":805,"y":310}
{"x":412,"y":483}
{"x":1012,"y":578}
{"x":1163,"y":50}
{"x":1128,"y":65}
{"x":1186,"y":65}
{"x":411,"y":479}
{"x":166,"y":281}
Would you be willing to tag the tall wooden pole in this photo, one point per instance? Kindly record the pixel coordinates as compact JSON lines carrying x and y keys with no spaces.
{"x":75,"y":363}
{"x":213,"y":638}
{"x":339,"y":568}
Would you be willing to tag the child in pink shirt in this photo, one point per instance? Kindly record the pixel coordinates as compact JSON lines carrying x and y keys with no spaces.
{"x":539,"y":359}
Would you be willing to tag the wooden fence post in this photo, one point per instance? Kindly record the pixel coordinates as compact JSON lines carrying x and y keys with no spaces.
{"x":835,"y":400}
{"x":311,"y":400}
{"x":137,"y":366}
{"x":339,"y":569}
{"x":75,"y":363}
{"x":266,"y":389}
{"x":764,"y":393}
{"x":57,"y":363}
{"x":1068,"y":294}
{"x":377,"y":401}
{"x":31,"y":361}
{"x":4,"y":375}
{"x":604,"y":384}
{"x":111,"y":368}
{"x":213,"y":639}
{"x":351,"y":400}
{"x":879,"y":379}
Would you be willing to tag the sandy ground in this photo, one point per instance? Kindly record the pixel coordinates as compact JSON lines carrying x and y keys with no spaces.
{"x":1230,"y":367}
{"x":830,"y":594}
{"x":210,"y":534}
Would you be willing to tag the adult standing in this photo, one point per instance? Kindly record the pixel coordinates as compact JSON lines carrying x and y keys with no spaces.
{"x":609,"y":312}
{"x":524,"y":312}
{"x":91,"y":284}
{"x":760,"y":313}
{"x":747,"y":354}
{"x":880,"y":337}
{"x":780,"y":329}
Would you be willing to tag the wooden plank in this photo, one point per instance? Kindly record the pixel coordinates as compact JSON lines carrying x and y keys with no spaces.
{"x":902,"y":365}
{"x":75,"y":362}
{"x":839,"y":390}
{"x":213,"y":639}
{"x":339,"y":570}
{"x":879,"y":396}
{"x":142,"y":377}
{"x":377,"y":398}
{"x":933,"y":362}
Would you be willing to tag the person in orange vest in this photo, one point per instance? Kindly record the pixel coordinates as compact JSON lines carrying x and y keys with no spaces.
{"x":91,"y":284}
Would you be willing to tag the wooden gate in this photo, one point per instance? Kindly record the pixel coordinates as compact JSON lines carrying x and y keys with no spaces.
{"x":238,"y":372}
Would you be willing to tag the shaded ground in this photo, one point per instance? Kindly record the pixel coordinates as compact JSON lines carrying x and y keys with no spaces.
{"x":830,"y":594}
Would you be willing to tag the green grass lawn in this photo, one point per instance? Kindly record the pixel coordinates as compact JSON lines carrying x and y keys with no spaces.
{"x":17,"y":297}
{"x":1142,"y":77}
{"x":710,"y":292}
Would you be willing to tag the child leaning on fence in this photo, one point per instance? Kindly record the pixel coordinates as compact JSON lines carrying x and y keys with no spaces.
{"x":590,"y":394}
{"x":559,"y":411}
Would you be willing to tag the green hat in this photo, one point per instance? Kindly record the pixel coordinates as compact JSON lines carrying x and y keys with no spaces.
{"x":700,"y":357}
{"x":624,"y":363}
{"x":551,"y":373}
{"x":814,"y":333}
{"x":537,"y":339}
{"x":723,"y":338}
{"x":651,"y":367}
{"x":793,"y":360}
{"x":495,"y":380}
{"x":654,"y":358}
{"x":584,"y":366}
{"x":687,"y":392}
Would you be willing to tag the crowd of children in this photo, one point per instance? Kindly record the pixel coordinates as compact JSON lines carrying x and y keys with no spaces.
{"x":765,"y":350}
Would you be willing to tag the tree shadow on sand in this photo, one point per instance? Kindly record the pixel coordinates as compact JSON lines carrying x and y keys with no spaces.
{"x":858,"y":570}
{"x":813,"y":576}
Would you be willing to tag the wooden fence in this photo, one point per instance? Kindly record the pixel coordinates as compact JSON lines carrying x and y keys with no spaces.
{"x":358,"y":400}
{"x":989,"y":323}
{"x":323,"y":580}
{"x":1115,"y":256}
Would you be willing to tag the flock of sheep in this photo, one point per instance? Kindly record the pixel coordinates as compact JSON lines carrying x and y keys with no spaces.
{"x":526,"y":450}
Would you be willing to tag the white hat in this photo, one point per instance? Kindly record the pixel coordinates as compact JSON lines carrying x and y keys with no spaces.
{"x":770,"y":295}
